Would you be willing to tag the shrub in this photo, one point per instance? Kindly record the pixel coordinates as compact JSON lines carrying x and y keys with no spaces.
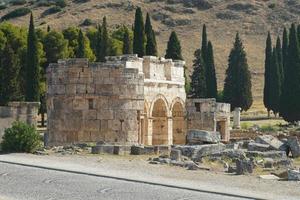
{"x":3,"y":6}
{"x":80,"y":1}
{"x":21,"y":137}
{"x":61,"y":3}
{"x":52,"y":10}
{"x":18,"y":2}
{"x":16,"y":13}
{"x":44,"y":3}
{"x":87,"y":22}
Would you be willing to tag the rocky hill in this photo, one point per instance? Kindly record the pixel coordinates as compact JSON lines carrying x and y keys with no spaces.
{"x":252,"y":18}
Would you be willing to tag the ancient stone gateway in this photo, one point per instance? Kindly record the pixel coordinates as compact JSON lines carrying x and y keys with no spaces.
{"x":126,"y":100}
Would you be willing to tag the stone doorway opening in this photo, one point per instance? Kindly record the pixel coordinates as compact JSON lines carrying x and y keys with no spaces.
{"x":221,"y":128}
{"x":160,"y":123}
{"x":179,"y":128}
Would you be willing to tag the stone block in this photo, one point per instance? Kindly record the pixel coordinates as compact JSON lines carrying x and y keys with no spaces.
{"x":294,"y":146}
{"x":293,"y":175}
{"x":103,"y":149}
{"x":253,"y":146}
{"x":122,"y":150}
{"x":107,"y":114}
{"x":92,"y":125}
{"x":175,"y":154}
{"x":90,"y":114}
{"x":81,"y":89}
{"x":141,"y":150}
{"x":203,"y":137}
{"x":162,"y":149}
{"x":275,"y":144}
{"x":244,"y":167}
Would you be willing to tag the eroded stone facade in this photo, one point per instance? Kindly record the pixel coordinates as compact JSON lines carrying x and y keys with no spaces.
{"x":126,"y":100}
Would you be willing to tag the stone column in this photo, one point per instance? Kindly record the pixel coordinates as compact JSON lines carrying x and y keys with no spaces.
{"x":237,"y":118}
{"x":150,"y":131}
{"x":170,"y":130}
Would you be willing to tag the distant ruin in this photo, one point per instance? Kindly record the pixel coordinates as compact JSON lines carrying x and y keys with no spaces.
{"x":126,"y":100}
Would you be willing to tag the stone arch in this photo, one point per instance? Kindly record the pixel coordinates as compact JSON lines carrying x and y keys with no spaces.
{"x":159,"y":116}
{"x":179,"y":124}
{"x":164,"y":99}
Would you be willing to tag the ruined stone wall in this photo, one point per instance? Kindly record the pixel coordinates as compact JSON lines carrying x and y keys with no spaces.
{"x":93,"y":102}
{"x":18,"y":111}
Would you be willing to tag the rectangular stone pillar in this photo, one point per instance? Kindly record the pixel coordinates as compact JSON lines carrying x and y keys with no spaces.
{"x":150,"y":131}
{"x":170,"y":131}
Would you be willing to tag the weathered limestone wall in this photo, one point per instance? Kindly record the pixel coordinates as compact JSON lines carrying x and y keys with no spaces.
{"x":18,"y":111}
{"x":207,"y":114}
{"x":94,"y":101}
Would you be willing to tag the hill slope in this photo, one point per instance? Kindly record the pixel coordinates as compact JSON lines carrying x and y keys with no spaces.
{"x":252,"y":18}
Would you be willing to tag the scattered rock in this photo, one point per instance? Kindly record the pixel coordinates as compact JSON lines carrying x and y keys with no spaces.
{"x":267,"y":154}
{"x":203,"y":137}
{"x":141,"y":150}
{"x":293,"y":175}
{"x":103,"y":149}
{"x":269,"y":163}
{"x":244,"y":166}
{"x":206,"y":150}
{"x":175,"y":154}
{"x":275,"y":144}
{"x":269,"y":177}
{"x":294,"y":146}
{"x":253,"y":146}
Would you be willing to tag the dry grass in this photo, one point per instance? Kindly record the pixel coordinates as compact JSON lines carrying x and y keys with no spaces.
{"x":252,"y":28}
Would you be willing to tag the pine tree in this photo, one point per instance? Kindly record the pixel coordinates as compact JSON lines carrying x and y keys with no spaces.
{"x":211,"y":80}
{"x":138,"y":37}
{"x":198,"y":80}
{"x":268,"y":63}
{"x":174,"y":48}
{"x":32,"y":92}
{"x":280,"y":60}
{"x":285,"y":46}
{"x":237,"y":87}
{"x":275,"y":83}
{"x":104,"y":41}
{"x":126,"y":42}
{"x":80,"y":53}
{"x":290,"y":107}
{"x":204,"y":44}
{"x":151,"y":48}
{"x":98,"y":44}
{"x":10,"y":90}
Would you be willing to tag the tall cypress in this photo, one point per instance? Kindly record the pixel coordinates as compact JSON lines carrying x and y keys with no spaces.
{"x":290,"y":107}
{"x":9,"y":90}
{"x":298,"y":33}
{"x":211,"y":80}
{"x":198,"y":80}
{"x":48,"y":29}
{"x":275,"y":83}
{"x":138,"y":37}
{"x":268,"y":63}
{"x":80,"y":53}
{"x":151,"y":48}
{"x":237,"y":87}
{"x":174,"y":48}
{"x":204,"y":44}
{"x":32,"y":92}
{"x":126,"y":42}
{"x":99,"y":42}
{"x":104,"y":41}
{"x":285,"y":46}
{"x":280,"y":60}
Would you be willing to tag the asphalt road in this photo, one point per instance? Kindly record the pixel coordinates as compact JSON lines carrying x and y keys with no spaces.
{"x":28,"y":183}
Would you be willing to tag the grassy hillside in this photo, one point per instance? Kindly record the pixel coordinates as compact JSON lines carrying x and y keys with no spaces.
{"x":252,"y":18}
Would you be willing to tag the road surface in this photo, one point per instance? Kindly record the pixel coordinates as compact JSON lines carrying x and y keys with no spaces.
{"x":29,"y":183}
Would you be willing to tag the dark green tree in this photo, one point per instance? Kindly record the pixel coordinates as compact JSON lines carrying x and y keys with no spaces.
{"x":80,"y":53}
{"x":104,"y":41}
{"x":198,"y":81}
{"x":32,"y":90}
{"x":204,"y":45}
{"x":285,"y":46}
{"x":174,"y":48}
{"x":290,"y":107}
{"x":237,"y":87}
{"x":268,"y":64}
{"x":275,"y":83}
{"x":280,"y":60}
{"x":99,"y":43}
{"x":150,"y":36}
{"x":211,"y":80}
{"x":139,"y":35}
{"x":126,"y":42}
{"x":48,"y":28}
{"x":9,"y":90}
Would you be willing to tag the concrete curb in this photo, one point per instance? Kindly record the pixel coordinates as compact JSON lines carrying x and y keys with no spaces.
{"x":131,"y":180}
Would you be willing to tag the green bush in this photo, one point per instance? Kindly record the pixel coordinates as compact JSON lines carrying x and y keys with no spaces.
{"x":3,"y":6}
{"x":52,"y":10}
{"x":87,"y":22}
{"x":61,"y":3}
{"x":18,"y":2}
{"x":16,"y":13}
{"x":21,"y":137}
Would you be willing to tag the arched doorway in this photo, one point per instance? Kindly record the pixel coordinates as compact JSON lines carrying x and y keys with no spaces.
{"x":179,"y":126}
{"x":159,"y":123}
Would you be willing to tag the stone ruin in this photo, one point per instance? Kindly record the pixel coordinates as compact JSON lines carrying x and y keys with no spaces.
{"x":18,"y":111}
{"x":126,"y":100}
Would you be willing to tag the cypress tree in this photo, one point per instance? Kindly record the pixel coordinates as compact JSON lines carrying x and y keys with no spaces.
{"x":104,"y":41}
{"x":138,"y":37}
{"x":98,"y":45}
{"x":204,"y":44}
{"x":48,"y":29}
{"x":275,"y":83}
{"x":298,"y":33}
{"x":126,"y":42}
{"x":268,"y":60}
{"x":80,"y":50}
{"x":150,"y":36}
{"x":32,"y":92}
{"x":290,"y":107}
{"x":10,"y":90}
{"x":280,"y":60}
{"x":285,"y":44}
{"x":237,"y":87}
{"x":211,"y":80}
{"x":198,"y":80}
{"x":174,"y":48}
